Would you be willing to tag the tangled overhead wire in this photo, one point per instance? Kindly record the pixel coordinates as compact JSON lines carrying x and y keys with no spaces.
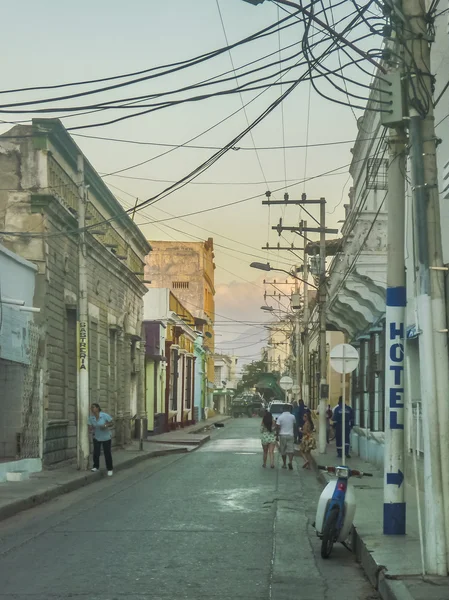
{"x":323,"y":44}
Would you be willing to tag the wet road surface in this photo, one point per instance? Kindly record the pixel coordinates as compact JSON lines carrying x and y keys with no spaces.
{"x":211,"y":524}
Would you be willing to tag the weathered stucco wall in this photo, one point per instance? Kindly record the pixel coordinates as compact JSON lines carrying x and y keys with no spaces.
{"x":31,"y":202}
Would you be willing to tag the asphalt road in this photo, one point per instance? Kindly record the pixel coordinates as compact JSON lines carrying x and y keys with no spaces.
{"x":211,"y":524}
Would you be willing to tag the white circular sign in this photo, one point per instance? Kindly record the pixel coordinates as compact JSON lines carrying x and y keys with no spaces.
{"x":344,"y":358}
{"x":286,"y":383}
{"x":296,"y":389}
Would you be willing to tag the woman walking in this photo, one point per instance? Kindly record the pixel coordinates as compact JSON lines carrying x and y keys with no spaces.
{"x":100,"y":424}
{"x":308,"y":442}
{"x":268,"y":438}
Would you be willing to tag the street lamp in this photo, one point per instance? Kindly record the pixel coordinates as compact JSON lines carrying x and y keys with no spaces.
{"x":267,"y":267}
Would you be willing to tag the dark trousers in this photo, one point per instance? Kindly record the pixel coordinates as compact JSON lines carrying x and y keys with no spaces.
{"x":339,"y":440}
{"x":106,"y":451}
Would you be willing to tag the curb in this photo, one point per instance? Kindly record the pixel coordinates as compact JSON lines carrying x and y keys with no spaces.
{"x":389,"y":589}
{"x":203,"y":424}
{"x":193,"y":443}
{"x":19,"y":506}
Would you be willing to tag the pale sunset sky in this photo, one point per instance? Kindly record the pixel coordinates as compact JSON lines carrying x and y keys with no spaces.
{"x":61,"y":42}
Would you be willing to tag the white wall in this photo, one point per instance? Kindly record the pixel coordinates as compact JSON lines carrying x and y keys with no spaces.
{"x":156,"y":304}
{"x":440,"y":66}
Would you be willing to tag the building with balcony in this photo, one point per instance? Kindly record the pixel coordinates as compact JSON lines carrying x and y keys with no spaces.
{"x":169,"y":361}
{"x":188,"y":270}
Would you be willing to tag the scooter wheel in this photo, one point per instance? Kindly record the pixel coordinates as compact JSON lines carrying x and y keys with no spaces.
{"x":329,"y":534}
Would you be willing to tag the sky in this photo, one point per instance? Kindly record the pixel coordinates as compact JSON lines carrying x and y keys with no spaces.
{"x":56,"y":42}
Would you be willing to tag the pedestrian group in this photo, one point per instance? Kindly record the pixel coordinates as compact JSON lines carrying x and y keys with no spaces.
{"x":297,"y":427}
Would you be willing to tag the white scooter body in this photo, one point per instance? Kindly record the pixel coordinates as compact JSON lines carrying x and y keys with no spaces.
{"x":323,"y":503}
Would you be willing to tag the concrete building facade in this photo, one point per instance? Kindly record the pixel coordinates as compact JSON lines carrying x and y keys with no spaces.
{"x":41,"y":183}
{"x":170,"y":361}
{"x":188,"y":270}
{"x":20,"y":433}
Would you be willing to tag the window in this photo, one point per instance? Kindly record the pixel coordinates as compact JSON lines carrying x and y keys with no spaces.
{"x":217,"y":376}
{"x":376,"y":174}
{"x":180,"y":285}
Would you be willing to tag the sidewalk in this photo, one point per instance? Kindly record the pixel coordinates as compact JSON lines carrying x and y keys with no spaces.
{"x":41,"y":487}
{"x":392,"y":564}
{"x":191,"y":435}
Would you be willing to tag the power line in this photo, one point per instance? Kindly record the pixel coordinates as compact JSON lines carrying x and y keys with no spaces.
{"x":119,"y":217}
{"x":240,"y":93}
{"x":168,"y":69}
{"x":186,"y":145}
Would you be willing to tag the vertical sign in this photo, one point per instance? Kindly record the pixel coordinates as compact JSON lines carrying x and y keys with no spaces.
{"x":83,"y":346}
{"x":394,"y":498}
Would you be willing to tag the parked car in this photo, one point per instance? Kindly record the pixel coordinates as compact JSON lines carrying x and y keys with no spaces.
{"x":276,"y":408}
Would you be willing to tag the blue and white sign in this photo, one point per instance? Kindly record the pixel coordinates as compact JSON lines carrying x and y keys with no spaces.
{"x":394,"y":504}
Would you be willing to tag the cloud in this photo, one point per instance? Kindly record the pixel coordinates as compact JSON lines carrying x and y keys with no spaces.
{"x":240,"y":301}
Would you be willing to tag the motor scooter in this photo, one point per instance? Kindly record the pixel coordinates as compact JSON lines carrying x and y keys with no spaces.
{"x":336,"y":508}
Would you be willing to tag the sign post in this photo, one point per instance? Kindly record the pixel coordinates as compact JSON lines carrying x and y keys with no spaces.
{"x":286,"y":384}
{"x":344,"y":359}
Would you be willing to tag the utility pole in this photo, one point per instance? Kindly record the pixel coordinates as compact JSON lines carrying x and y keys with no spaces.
{"x":394,"y":514}
{"x":82,"y":330}
{"x":297,"y":309}
{"x":394,"y":492}
{"x":305,"y":357}
{"x":302,"y":230}
{"x":324,"y":388}
{"x":430,"y":301}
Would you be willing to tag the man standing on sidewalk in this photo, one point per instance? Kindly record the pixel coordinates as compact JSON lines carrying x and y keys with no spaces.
{"x":339,"y":410}
{"x":285,"y":427}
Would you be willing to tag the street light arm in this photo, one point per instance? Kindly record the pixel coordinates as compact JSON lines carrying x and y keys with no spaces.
{"x":268,"y":267}
{"x":296,"y":277}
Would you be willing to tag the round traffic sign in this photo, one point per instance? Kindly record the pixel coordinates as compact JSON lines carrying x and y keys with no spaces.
{"x":344,"y":358}
{"x":286,"y":383}
{"x":296,"y":389}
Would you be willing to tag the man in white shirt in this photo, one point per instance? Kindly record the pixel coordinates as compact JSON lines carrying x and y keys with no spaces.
{"x":285,"y":427}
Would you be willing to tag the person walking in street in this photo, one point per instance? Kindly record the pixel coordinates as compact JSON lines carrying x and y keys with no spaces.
{"x":295,"y":413}
{"x":308,"y":442}
{"x":285,"y":426}
{"x":302,"y":409}
{"x":268,"y":438}
{"x":100,"y":424}
{"x":339,"y":410}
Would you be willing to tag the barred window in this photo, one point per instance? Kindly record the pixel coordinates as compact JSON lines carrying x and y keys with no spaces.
{"x":376,"y":174}
{"x":180,"y":285}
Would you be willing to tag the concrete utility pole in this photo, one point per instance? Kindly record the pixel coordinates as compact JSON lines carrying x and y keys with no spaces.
{"x":394,"y":491}
{"x":434,"y":361}
{"x":305,"y":379}
{"x":298,"y":370}
{"x":324,"y":388}
{"x":394,"y":521}
{"x":302,"y":229}
{"x":83,"y":401}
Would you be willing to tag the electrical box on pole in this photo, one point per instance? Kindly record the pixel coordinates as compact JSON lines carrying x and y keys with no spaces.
{"x":390,"y":88}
